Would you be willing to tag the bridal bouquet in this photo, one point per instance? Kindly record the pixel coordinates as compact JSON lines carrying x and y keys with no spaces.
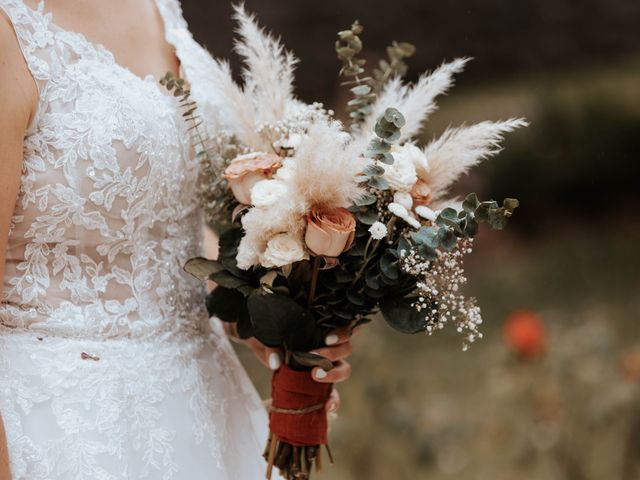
{"x":324,"y":225}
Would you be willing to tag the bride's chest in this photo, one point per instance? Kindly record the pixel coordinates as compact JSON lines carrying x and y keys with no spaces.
{"x":107,"y":134}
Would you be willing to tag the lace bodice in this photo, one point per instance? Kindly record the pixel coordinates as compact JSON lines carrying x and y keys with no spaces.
{"x":109,"y":366}
{"x":108,"y":209}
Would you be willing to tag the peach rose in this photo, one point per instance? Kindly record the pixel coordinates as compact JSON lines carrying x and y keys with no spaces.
{"x":330,"y":231}
{"x":421,"y":193}
{"x":246,"y":170}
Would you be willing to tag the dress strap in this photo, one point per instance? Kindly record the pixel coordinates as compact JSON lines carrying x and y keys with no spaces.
{"x":171,"y":12}
{"x":35,"y":37}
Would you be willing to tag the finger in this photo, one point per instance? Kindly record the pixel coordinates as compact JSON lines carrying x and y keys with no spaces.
{"x":334,"y":402}
{"x":340,"y":335}
{"x":336,"y":352}
{"x":339,"y":373}
{"x":273,"y":358}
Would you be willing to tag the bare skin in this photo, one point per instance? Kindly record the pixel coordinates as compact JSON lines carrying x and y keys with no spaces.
{"x":134,"y":33}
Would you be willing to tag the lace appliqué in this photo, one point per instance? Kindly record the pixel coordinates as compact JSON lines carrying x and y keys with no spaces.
{"x":106,"y":217}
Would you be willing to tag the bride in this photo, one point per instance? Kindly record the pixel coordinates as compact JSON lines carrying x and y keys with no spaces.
{"x":109,"y":365}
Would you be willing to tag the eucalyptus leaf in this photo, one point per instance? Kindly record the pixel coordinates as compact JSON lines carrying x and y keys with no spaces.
{"x":386,"y":158}
{"x":367,"y":217}
{"x":226,"y":304}
{"x":389,"y":266}
{"x":373,"y":170}
{"x":447,"y":238}
{"x":202,"y":268}
{"x":379,"y":183}
{"x":470,"y":203}
{"x":401,"y":316}
{"x":361,"y":90}
{"x":279,"y":321}
{"x":311,"y":360}
{"x":227,"y":280}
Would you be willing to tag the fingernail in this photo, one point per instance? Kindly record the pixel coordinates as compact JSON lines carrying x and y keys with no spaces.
{"x":333,"y":407}
{"x":274,"y":361}
{"x":331,"y":339}
{"x":320,"y":374}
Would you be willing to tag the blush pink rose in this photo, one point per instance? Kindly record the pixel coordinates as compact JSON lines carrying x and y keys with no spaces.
{"x":330,"y":231}
{"x":246,"y":170}
{"x":421,"y":194}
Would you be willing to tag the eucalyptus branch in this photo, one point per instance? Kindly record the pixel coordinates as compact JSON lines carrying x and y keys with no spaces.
{"x":395,"y":66}
{"x":348,"y":46}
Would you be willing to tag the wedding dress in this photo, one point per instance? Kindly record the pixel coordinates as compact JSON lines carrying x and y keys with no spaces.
{"x":109,"y":365}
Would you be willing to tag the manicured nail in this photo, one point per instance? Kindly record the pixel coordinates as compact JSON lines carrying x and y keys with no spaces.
{"x":331,"y":339}
{"x":274,"y":361}
{"x":320,"y":374}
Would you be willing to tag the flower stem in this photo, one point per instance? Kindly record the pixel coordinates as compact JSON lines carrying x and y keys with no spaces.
{"x":314,"y":279}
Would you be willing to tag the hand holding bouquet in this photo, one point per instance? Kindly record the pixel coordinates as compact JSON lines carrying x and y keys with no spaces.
{"x":322,"y":226}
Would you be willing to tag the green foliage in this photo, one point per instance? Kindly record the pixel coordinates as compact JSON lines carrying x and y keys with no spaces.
{"x":387,"y":131}
{"x":366,"y":88}
{"x":280,"y":321}
{"x":202,"y":268}
{"x":451,"y":225}
{"x":402,"y":316}
{"x":394,"y":66}
{"x":348,"y":47}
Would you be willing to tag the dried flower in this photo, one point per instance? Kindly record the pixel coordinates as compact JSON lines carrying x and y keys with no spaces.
{"x":421,"y":193}
{"x":268,"y":192}
{"x":403,"y":198}
{"x":247,"y":170}
{"x":426,"y":213}
{"x":283,"y":249}
{"x":401,"y":212}
{"x":330,"y":231}
{"x":378,"y":231}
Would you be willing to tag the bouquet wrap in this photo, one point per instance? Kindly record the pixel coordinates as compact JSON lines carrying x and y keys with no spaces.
{"x":298,"y":415}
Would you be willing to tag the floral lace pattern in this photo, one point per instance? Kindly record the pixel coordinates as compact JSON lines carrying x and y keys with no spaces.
{"x":109,"y":367}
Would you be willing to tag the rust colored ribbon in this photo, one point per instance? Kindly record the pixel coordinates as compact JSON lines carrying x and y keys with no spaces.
{"x":297,"y":415}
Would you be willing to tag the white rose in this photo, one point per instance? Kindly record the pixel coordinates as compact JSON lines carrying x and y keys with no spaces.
{"x":417,"y":157}
{"x":378,"y":231}
{"x":268,"y":192}
{"x":283,"y":249}
{"x":287,"y":170}
{"x":402,"y":174}
{"x":247,"y":255}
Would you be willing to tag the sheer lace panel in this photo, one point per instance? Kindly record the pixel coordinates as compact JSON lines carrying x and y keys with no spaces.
{"x":107,"y":212}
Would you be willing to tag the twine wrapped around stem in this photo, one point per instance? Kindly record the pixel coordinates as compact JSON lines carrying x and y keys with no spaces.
{"x":297,"y":422}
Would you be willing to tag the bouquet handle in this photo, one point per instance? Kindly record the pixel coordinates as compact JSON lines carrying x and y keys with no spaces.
{"x":297,"y":423}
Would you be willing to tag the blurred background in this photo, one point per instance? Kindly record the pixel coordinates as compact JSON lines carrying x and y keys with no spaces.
{"x":553,"y":390}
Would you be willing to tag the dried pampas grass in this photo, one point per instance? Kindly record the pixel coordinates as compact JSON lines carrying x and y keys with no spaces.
{"x":459,"y":149}
{"x":269,"y":68}
{"x":415,"y":102}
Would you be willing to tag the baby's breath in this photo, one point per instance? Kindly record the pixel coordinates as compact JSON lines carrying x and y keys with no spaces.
{"x":438,"y":288}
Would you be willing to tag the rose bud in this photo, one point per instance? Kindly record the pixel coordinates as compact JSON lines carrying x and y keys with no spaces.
{"x":421,"y":193}
{"x":245,"y":171}
{"x":330,"y":231}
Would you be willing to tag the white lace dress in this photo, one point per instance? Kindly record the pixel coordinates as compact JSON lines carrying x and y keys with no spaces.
{"x":109,"y":365}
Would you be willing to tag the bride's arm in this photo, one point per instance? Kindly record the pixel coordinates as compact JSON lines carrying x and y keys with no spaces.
{"x":18,"y":100}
